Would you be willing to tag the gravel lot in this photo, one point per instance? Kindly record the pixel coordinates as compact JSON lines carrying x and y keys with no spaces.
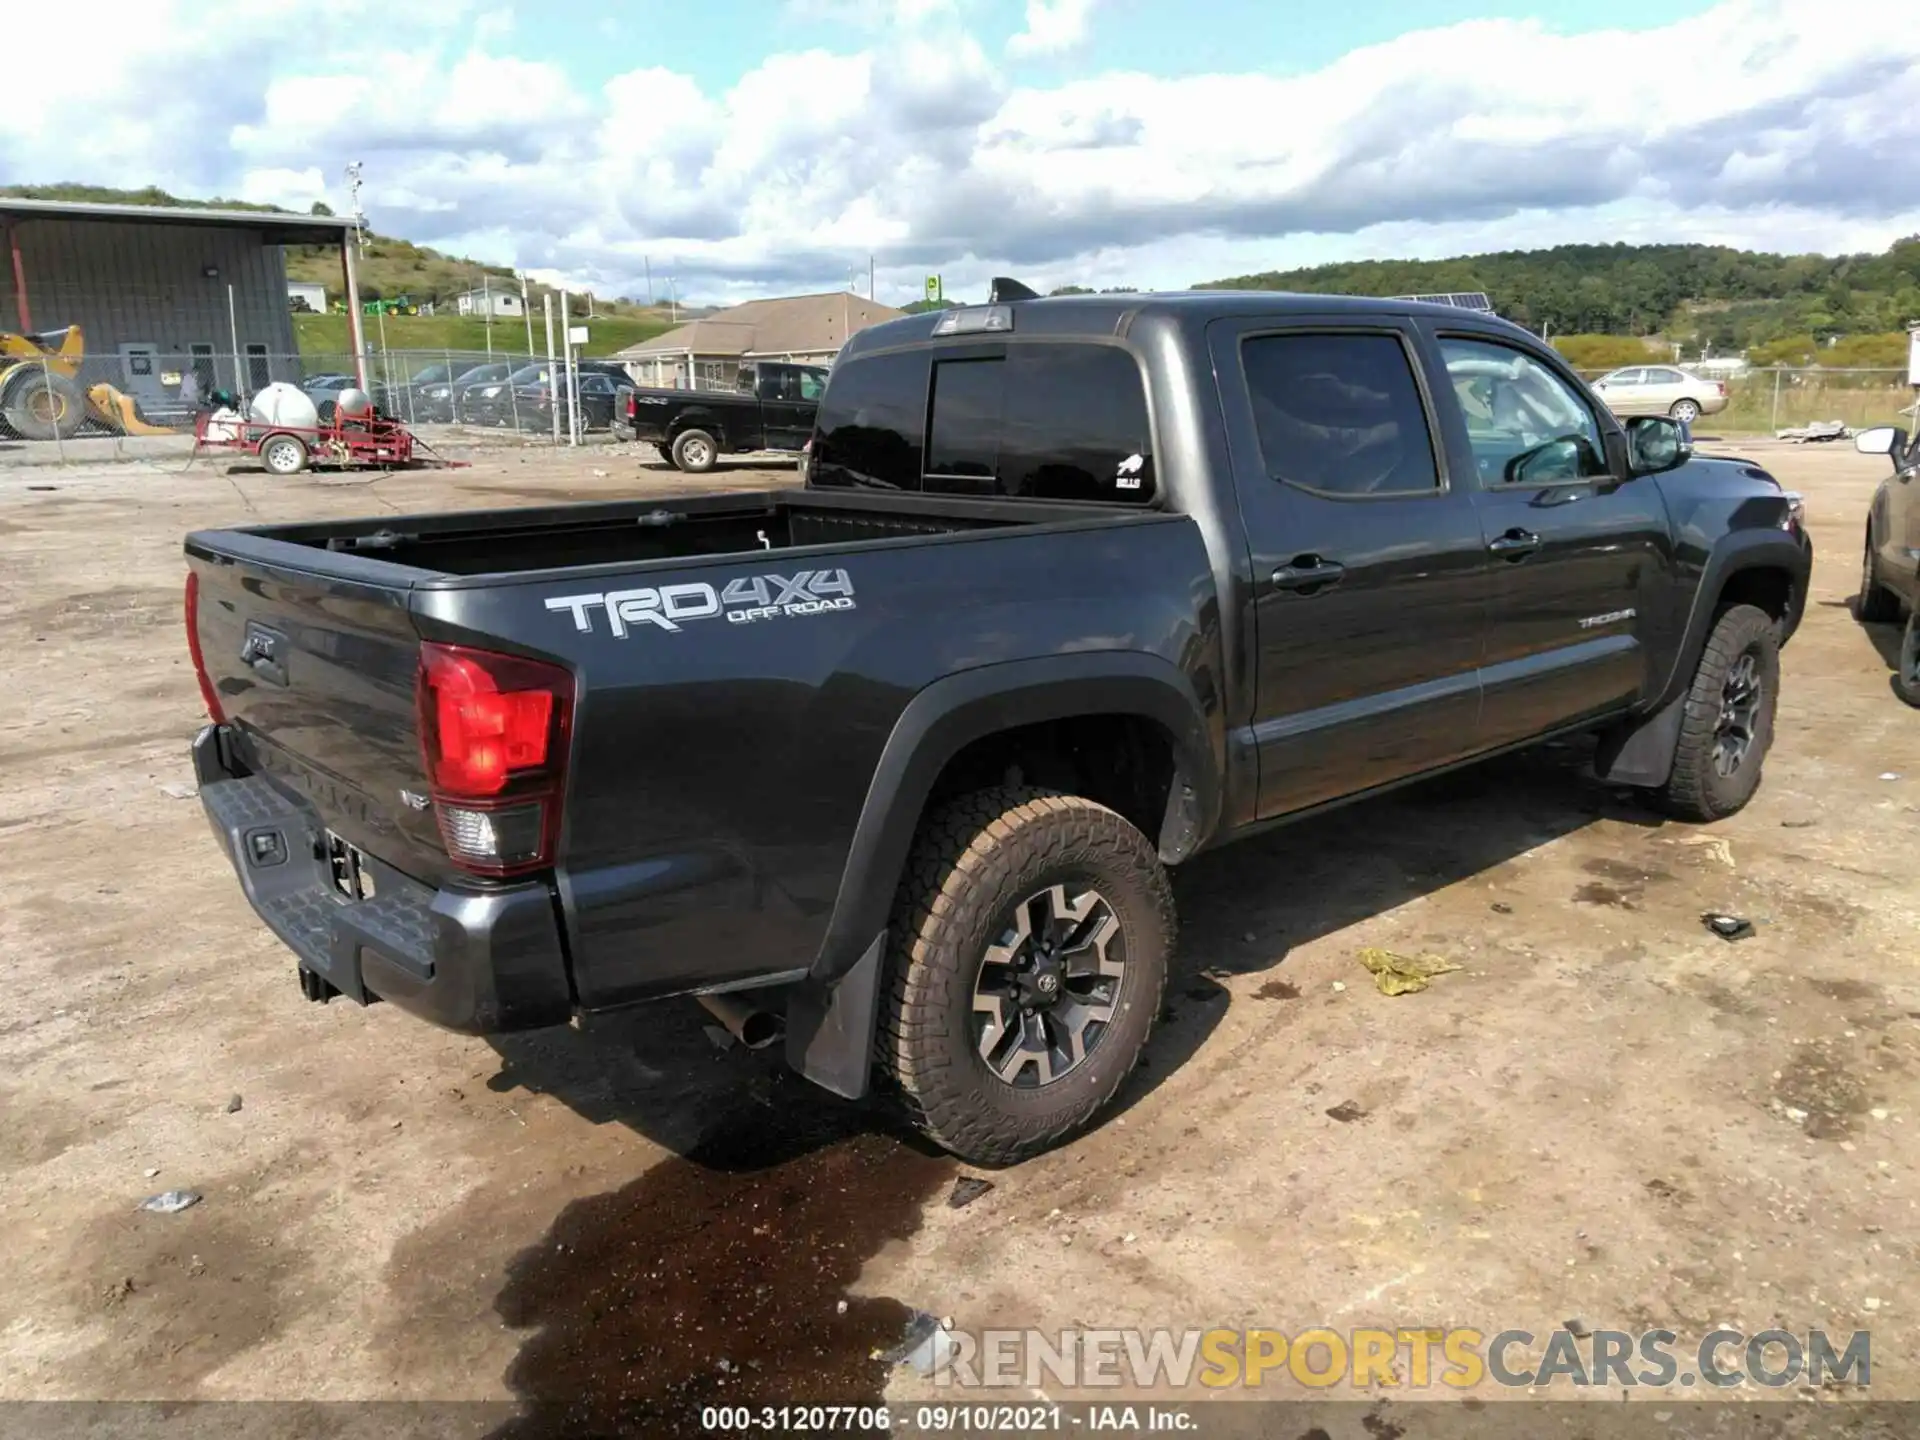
{"x":1607,"y":1114}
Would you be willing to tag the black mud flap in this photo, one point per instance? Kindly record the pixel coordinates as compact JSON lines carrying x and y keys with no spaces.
{"x":1639,"y":752}
{"x":830,"y":1026}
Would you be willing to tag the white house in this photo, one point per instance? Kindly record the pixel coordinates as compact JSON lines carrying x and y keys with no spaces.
{"x":495,"y":300}
{"x":312,"y":292}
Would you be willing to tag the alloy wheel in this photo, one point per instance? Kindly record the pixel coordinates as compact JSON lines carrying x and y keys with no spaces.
{"x":1049,"y":987}
{"x":1741,"y":695}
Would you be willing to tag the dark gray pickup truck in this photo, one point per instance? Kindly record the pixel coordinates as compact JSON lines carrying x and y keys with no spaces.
{"x":1077,"y":588}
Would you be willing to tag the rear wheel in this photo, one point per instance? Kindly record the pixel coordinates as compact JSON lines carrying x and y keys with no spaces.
{"x":1877,"y":605}
{"x":284,"y":454}
{"x":1727,"y":725}
{"x":42,"y":405}
{"x":695,"y":452}
{"x":1685,"y":411}
{"x":1030,"y":945}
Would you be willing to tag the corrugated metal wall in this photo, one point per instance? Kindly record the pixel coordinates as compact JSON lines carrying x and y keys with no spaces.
{"x":128,"y":283}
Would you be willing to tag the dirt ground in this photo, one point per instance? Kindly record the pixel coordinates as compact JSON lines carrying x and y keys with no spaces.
{"x":1609,"y":1114}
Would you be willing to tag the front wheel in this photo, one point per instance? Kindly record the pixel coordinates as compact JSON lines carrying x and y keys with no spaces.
{"x":1876,"y":604}
{"x":1030,"y":945}
{"x":1685,"y":411}
{"x":1906,"y":679}
{"x":1727,"y":725}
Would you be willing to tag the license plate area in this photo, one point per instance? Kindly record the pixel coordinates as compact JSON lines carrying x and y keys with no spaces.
{"x":349,"y":870}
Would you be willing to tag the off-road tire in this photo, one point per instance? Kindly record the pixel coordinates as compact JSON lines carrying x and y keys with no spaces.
{"x":1696,"y":790}
{"x":694,"y":451}
{"x":41,"y":405}
{"x":971,"y":863}
{"x":1906,"y":674}
{"x":1876,"y":605}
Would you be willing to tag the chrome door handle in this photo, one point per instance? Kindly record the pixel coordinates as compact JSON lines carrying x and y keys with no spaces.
{"x":1516,"y":544}
{"x":1306,"y":574}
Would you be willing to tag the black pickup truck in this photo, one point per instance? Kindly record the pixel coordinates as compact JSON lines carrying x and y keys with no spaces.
{"x":772,"y":410}
{"x":1077,"y":588}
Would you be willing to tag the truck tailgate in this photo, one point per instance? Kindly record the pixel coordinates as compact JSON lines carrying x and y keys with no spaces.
{"x":315,"y":677}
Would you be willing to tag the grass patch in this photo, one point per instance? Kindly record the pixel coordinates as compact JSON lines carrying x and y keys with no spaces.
{"x":325,"y":335}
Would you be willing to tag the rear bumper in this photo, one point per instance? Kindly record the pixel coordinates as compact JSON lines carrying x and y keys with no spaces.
{"x":478,"y":961}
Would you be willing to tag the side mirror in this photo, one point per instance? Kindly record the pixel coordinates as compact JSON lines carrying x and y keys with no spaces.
{"x":1656,"y":444}
{"x":1881,"y":440}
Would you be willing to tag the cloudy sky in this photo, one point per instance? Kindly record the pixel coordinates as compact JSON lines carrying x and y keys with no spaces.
{"x":750,"y":147}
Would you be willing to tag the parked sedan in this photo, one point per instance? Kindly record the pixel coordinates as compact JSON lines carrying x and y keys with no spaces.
{"x":467,"y":392}
{"x":1661,"y":390}
{"x":526,"y":398}
{"x":427,"y":394}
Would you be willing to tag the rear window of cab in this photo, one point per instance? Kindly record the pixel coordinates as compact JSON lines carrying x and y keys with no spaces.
{"x":1040,"y":420}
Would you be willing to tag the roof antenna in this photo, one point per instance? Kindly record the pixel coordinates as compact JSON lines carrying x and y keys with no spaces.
{"x":1003,"y":290}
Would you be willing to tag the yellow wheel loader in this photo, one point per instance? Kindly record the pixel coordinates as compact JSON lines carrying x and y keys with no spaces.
{"x":40,"y":395}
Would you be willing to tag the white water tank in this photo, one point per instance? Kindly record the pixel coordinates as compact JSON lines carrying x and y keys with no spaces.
{"x":284,"y":404}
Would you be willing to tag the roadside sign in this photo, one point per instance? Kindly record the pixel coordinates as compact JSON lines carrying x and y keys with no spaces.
{"x":934,"y":289}
{"x":1913,"y":356}
{"x":577,"y":335}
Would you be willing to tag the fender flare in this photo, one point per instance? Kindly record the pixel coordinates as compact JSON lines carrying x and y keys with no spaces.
{"x":831,"y":1014}
{"x":1742,"y":550}
{"x":1639,"y":751}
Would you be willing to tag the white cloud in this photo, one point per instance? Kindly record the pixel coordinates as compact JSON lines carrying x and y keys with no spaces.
{"x":1774,"y":126}
{"x":1053,"y":26}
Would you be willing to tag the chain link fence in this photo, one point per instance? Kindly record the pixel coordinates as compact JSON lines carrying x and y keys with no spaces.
{"x":143,"y":403}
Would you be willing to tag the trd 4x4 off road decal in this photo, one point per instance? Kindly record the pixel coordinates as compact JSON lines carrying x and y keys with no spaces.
{"x":742,"y":601}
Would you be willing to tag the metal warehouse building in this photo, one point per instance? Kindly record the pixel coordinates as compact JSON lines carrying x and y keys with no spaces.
{"x":161,"y":293}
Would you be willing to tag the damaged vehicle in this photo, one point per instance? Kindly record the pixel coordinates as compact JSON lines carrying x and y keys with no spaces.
{"x":896,"y":763}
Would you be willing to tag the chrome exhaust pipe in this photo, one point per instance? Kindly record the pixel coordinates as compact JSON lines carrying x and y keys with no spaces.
{"x":751,"y":1026}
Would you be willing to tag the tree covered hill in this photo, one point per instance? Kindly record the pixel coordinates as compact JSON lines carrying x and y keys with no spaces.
{"x":1698,"y":295}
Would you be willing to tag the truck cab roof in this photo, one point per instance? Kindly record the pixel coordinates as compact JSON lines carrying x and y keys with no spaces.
{"x":1091,"y":316}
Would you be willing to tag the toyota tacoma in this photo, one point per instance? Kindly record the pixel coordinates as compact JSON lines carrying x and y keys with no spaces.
{"x":1076,"y":589}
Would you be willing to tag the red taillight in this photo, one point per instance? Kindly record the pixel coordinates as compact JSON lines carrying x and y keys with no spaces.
{"x":493,"y":735}
{"x":1721,"y":386}
{"x":207,"y":694}
{"x":633,"y":406}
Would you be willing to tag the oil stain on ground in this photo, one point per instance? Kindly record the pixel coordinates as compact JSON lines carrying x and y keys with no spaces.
{"x":717,"y":1278}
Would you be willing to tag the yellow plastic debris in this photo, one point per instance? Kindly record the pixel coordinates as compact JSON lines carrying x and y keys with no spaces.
{"x":1403,"y":974}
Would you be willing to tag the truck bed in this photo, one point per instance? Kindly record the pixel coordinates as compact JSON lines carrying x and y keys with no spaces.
{"x":631,"y":532}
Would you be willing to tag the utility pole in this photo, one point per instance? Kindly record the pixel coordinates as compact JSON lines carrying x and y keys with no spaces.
{"x":647,"y":260}
{"x":526,"y":309}
{"x":356,"y":328}
{"x":869,"y":277}
{"x":486,"y":309}
{"x":553,"y":364}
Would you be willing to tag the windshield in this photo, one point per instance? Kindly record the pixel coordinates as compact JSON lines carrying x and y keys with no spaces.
{"x":431,"y":374}
{"x":485,"y":373}
{"x":529,"y":375}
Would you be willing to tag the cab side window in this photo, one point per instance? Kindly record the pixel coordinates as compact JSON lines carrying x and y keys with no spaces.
{"x":1525,"y":424}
